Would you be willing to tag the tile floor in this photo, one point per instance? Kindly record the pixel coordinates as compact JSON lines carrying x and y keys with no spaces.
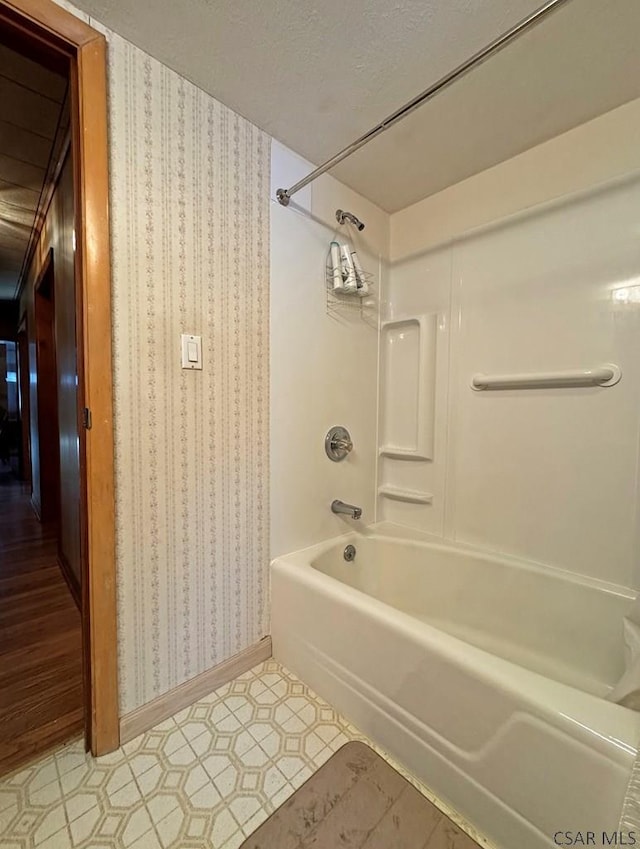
{"x":207,"y":777}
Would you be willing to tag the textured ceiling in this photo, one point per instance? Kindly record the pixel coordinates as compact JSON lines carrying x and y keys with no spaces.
{"x":316,"y":76}
{"x":30,"y":103}
{"x":580,"y":62}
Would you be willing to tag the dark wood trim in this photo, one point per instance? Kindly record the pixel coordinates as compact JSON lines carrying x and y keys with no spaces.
{"x":35,"y":504}
{"x":71,"y":580}
{"x":41,"y":215}
{"x":44,"y":299}
{"x":43,"y":270}
{"x":57,"y":33}
{"x":25,"y":401}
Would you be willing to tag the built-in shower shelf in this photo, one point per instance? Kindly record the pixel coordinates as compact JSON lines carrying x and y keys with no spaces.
{"x":401,"y":453}
{"x":408,"y":364}
{"x":411,"y":496}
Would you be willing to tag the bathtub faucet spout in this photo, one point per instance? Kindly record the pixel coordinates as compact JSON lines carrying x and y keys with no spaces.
{"x":338,"y":506}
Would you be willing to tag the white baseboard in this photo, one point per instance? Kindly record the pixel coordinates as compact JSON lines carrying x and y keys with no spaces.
{"x":146,"y":716}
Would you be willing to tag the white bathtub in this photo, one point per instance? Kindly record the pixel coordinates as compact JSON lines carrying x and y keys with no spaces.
{"x":483,"y":676}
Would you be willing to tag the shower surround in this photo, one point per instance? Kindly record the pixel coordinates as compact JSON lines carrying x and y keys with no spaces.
{"x":479,"y":627}
{"x":543,"y":474}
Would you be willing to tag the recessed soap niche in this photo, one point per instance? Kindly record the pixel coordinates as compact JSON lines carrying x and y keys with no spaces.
{"x":408,"y":371}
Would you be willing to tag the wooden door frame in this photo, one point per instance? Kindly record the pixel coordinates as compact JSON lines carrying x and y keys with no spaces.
{"x":56,"y":32}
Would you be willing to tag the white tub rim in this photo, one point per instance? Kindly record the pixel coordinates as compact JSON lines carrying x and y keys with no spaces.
{"x":391,"y":533}
{"x":490,"y":668}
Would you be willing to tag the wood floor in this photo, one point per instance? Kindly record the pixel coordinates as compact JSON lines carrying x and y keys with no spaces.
{"x":40,"y":636}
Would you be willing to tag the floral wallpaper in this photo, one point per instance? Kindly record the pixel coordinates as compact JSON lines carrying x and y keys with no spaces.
{"x":190,"y":242}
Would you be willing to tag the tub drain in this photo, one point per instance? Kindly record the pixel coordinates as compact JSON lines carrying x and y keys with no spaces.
{"x":350,"y":553}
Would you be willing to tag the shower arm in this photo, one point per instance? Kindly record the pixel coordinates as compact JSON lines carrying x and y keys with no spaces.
{"x":284,"y":195}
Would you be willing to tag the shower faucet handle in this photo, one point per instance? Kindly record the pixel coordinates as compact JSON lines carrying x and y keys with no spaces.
{"x":342,"y":444}
{"x":338,"y":443}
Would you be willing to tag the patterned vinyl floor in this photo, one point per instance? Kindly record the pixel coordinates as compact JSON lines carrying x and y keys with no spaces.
{"x":207,"y":777}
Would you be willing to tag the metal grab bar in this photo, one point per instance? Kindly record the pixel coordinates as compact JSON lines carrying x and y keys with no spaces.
{"x":606,"y":375}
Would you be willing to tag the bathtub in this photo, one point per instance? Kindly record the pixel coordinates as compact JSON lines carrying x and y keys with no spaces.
{"x":484,"y":676}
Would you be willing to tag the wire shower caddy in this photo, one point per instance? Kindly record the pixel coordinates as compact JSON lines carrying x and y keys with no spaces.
{"x":351,"y":304}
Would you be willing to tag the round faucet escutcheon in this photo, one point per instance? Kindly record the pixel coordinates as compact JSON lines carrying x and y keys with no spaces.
{"x":337,"y":443}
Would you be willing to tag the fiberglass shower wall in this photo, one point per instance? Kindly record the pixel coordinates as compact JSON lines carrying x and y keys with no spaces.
{"x":548,"y":475}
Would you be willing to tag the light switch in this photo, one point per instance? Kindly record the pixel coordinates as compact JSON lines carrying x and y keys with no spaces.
{"x":191,"y":351}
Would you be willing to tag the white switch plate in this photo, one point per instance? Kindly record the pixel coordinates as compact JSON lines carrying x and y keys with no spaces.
{"x":191,"y":351}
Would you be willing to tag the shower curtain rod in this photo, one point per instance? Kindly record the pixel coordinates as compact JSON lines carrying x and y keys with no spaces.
{"x":285,"y":195}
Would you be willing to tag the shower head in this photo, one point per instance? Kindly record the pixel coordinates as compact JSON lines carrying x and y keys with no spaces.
{"x":342,"y":216}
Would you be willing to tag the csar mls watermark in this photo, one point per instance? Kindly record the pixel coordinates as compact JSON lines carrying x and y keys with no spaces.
{"x":596,"y":838}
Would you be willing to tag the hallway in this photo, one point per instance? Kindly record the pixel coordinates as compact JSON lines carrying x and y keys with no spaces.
{"x":40,"y":636}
